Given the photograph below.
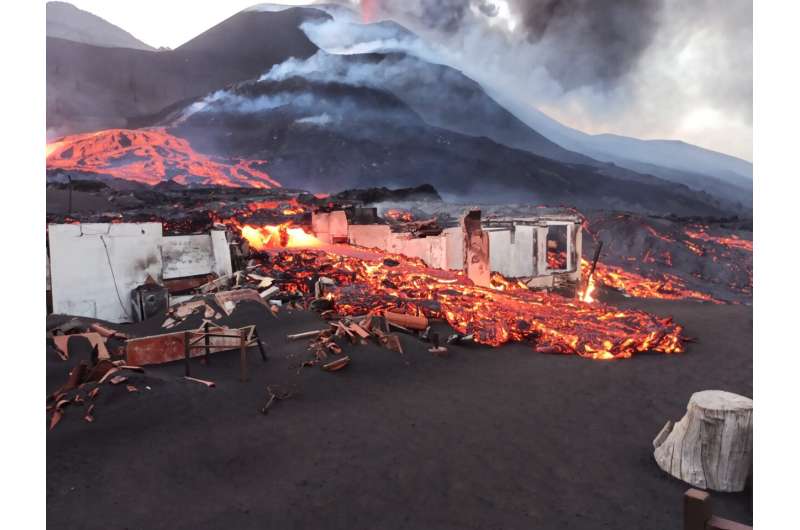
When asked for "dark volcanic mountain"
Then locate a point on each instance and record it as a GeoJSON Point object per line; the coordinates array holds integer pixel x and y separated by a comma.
{"type": "Point", "coordinates": [326, 136]}
{"type": "Point", "coordinates": [65, 21]}
{"type": "Point", "coordinates": [441, 95]}
{"type": "Point", "coordinates": [94, 87]}
{"type": "Point", "coordinates": [256, 87]}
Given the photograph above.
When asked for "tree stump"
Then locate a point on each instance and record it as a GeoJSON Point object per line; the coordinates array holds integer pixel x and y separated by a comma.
{"type": "Point", "coordinates": [711, 447]}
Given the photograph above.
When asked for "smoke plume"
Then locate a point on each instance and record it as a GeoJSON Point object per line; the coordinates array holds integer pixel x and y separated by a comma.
{"type": "Point", "coordinates": [678, 69]}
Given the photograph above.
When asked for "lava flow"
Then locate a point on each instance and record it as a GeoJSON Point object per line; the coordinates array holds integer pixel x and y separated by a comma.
{"type": "Point", "coordinates": [278, 236]}
{"type": "Point", "coordinates": [728, 242]}
{"type": "Point", "coordinates": [151, 156]}
{"type": "Point", "coordinates": [667, 286]}
{"type": "Point", "coordinates": [372, 281]}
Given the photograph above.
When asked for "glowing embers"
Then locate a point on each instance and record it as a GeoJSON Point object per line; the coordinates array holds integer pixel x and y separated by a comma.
{"type": "Point", "coordinates": [732, 242]}
{"type": "Point", "coordinates": [287, 207]}
{"type": "Point", "coordinates": [152, 156]}
{"type": "Point", "coordinates": [557, 247]}
{"type": "Point", "coordinates": [398, 215]}
{"type": "Point", "coordinates": [666, 286]}
{"type": "Point", "coordinates": [587, 295]}
{"type": "Point", "coordinates": [278, 236]}
{"type": "Point", "coordinates": [503, 312]}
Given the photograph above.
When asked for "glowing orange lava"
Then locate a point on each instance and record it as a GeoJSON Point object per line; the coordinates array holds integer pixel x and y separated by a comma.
{"type": "Point", "coordinates": [395, 214]}
{"type": "Point", "coordinates": [586, 295]}
{"type": "Point", "coordinates": [506, 312]}
{"type": "Point", "coordinates": [151, 156]}
{"type": "Point", "coordinates": [730, 242]}
{"type": "Point", "coordinates": [667, 286]}
{"type": "Point", "coordinates": [278, 236]}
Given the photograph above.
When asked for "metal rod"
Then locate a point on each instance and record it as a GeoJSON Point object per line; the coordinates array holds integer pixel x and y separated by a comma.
{"type": "Point", "coordinates": [260, 346]}
{"type": "Point", "coordinates": [243, 354]}
{"type": "Point", "coordinates": [207, 341]}
{"type": "Point", "coordinates": [186, 349]}
{"type": "Point", "coordinates": [596, 257]}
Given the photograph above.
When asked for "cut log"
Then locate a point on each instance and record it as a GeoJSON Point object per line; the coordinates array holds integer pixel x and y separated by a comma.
{"type": "Point", "coordinates": [711, 447]}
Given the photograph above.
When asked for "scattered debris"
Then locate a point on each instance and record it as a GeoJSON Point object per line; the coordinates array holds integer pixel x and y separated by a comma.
{"type": "Point", "coordinates": [209, 384]}
{"type": "Point", "coordinates": [458, 338]}
{"type": "Point", "coordinates": [305, 335]}
{"type": "Point", "coordinates": [110, 372]}
{"type": "Point", "coordinates": [107, 332]}
{"type": "Point", "coordinates": [89, 416]}
{"type": "Point", "coordinates": [338, 364]}
{"type": "Point", "coordinates": [228, 300]}
{"type": "Point", "coordinates": [55, 418]}
{"type": "Point", "coordinates": [96, 339]}
{"type": "Point", "coordinates": [274, 394]}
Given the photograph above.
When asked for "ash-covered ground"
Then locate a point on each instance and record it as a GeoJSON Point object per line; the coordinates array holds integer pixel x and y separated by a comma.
{"type": "Point", "coordinates": [483, 437]}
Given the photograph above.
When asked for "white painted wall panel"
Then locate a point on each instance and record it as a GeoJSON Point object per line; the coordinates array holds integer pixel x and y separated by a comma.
{"type": "Point", "coordinates": [522, 252]}
{"type": "Point", "coordinates": [81, 277]}
{"type": "Point", "coordinates": [187, 256]}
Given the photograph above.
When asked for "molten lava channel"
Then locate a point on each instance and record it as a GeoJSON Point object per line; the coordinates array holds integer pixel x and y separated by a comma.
{"type": "Point", "coordinates": [372, 281]}
{"type": "Point", "coordinates": [151, 156]}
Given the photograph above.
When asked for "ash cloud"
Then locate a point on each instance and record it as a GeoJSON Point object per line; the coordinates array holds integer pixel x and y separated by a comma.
{"type": "Point", "coordinates": [589, 41]}
{"type": "Point", "coordinates": [680, 69]}
{"type": "Point", "coordinates": [605, 38]}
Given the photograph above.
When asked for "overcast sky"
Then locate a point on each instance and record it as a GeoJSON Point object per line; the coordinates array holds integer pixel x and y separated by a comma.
{"type": "Point", "coordinates": [653, 69]}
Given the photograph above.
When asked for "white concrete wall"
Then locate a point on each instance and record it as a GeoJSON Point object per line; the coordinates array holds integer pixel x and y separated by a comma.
{"type": "Point", "coordinates": [187, 256]}
{"type": "Point", "coordinates": [511, 252]}
{"type": "Point", "coordinates": [432, 249]}
{"type": "Point", "coordinates": [82, 283]}
{"type": "Point", "coordinates": [454, 247]}
{"type": "Point", "coordinates": [328, 226]}
{"type": "Point", "coordinates": [499, 250]}
{"type": "Point", "coordinates": [196, 254]}
{"type": "Point", "coordinates": [522, 252]}
{"type": "Point", "coordinates": [370, 236]}
{"type": "Point", "coordinates": [222, 253]}
{"type": "Point", "coordinates": [80, 273]}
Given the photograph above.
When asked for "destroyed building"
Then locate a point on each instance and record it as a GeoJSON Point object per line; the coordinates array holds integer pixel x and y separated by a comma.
{"type": "Point", "coordinates": [125, 271]}
{"type": "Point", "coordinates": [103, 270]}
{"type": "Point", "coordinates": [544, 251]}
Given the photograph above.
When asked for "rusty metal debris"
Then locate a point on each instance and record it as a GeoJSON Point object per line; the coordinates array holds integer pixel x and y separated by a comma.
{"type": "Point", "coordinates": [275, 394]}
{"type": "Point", "coordinates": [338, 364]}
{"type": "Point", "coordinates": [106, 331]}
